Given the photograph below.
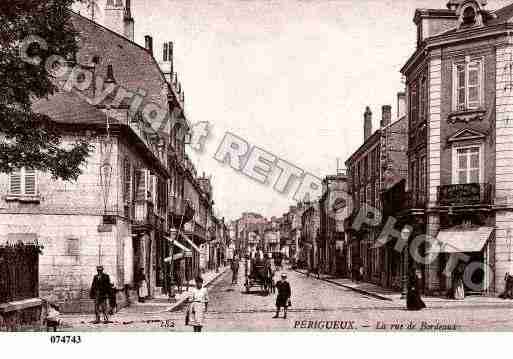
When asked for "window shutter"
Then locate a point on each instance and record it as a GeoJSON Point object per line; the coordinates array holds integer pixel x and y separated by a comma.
{"type": "Point", "coordinates": [474, 69]}
{"type": "Point", "coordinates": [30, 181]}
{"type": "Point", "coordinates": [127, 185]}
{"type": "Point", "coordinates": [140, 180]}
{"type": "Point", "coordinates": [461, 86]}
{"type": "Point", "coordinates": [15, 183]}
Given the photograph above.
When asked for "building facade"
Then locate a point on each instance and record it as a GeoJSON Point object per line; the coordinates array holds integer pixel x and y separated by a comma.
{"type": "Point", "coordinates": [377, 165]}
{"type": "Point", "coordinates": [459, 87]}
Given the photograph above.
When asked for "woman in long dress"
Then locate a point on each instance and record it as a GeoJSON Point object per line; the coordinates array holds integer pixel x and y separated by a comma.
{"type": "Point", "coordinates": [198, 305]}
{"type": "Point", "coordinates": [457, 284]}
{"type": "Point", "coordinates": [413, 299]}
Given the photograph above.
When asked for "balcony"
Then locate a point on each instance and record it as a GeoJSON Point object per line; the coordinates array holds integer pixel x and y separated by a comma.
{"type": "Point", "coordinates": [181, 211]}
{"type": "Point", "coordinates": [144, 218]}
{"type": "Point", "coordinates": [471, 194]}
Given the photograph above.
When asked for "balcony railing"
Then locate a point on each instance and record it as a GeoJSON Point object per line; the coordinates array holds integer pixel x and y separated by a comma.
{"type": "Point", "coordinates": [465, 194]}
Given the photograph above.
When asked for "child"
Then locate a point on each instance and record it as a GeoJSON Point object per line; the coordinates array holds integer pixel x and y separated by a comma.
{"type": "Point", "coordinates": [52, 316]}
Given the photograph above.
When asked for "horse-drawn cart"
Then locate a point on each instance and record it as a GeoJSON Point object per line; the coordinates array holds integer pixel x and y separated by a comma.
{"type": "Point", "coordinates": [258, 273]}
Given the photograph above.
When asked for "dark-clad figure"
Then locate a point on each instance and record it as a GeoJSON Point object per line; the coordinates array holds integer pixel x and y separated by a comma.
{"type": "Point", "coordinates": [413, 299]}
{"type": "Point", "coordinates": [235, 269]}
{"type": "Point", "coordinates": [100, 292]}
{"type": "Point", "coordinates": [283, 297]}
{"type": "Point", "coordinates": [508, 287]}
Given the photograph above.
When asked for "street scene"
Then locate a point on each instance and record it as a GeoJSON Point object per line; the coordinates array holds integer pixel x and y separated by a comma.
{"type": "Point", "coordinates": [335, 167]}
{"type": "Point", "coordinates": [319, 306]}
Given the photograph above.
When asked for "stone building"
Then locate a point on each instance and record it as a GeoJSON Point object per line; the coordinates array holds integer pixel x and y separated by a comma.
{"type": "Point", "coordinates": [123, 210]}
{"type": "Point", "coordinates": [334, 199]}
{"type": "Point", "coordinates": [459, 84]}
{"type": "Point", "coordinates": [377, 165]}
{"type": "Point", "coordinates": [309, 240]}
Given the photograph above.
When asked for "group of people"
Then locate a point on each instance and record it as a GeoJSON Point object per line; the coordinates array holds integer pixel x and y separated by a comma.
{"type": "Point", "coordinates": [103, 293]}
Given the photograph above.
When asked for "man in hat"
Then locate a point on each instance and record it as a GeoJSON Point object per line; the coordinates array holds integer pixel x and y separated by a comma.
{"type": "Point", "coordinates": [100, 291]}
{"type": "Point", "coordinates": [283, 297]}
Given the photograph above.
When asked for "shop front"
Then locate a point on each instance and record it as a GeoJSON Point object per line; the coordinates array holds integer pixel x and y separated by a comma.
{"type": "Point", "coordinates": [465, 252]}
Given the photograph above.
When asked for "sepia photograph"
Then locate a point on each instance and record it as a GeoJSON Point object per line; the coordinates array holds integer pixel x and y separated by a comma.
{"type": "Point", "coordinates": [251, 166]}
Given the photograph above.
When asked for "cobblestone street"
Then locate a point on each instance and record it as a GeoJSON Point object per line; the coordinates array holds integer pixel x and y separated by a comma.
{"type": "Point", "coordinates": [315, 305]}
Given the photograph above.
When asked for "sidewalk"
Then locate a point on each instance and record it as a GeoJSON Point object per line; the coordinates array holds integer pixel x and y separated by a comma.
{"type": "Point", "coordinates": [151, 311]}
{"type": "Point", "coordinates": [375, 291]}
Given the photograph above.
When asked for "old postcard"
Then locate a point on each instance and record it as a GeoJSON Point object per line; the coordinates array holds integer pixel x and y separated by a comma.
{"type": "Point", "coordinates": [256, 166]}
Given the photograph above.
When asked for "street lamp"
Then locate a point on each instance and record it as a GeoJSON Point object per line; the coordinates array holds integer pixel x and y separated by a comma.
{"type": "Point", "coordinates": [405, 234]}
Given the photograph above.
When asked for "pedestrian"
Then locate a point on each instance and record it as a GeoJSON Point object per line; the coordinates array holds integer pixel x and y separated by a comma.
{"type": "Point", "coordinates": [52, 317]}
{"type": "Point", "coordinates": [198, 306]}
{"type": "Point", "coordinates": [112, 300]}
{"type": "Point", "coordinates": [235, 269]}
{"type": "Point", "coordinates": [413, 298]}
{"type": "Point", "coordinates": [142, 286]}
{"type": "Point", "coordinates": [179, 274]}
{"type": "Point", "coordinates": [283, 297]}
{"type": "Point", "coordinates": [508, 287]}
{"type": "Point", "coordinates": [458, 289]}
{"type": "Point", "coordinates": [100, 292]}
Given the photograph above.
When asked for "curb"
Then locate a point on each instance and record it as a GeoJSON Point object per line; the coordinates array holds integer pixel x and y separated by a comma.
{"type": "Point", "coordinates": [181, 301]}
{"type": "Point", "coordinates": [361, 291]}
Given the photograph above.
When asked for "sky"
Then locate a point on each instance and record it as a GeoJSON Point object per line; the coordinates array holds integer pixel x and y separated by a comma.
{"type": "Point", "coordinates": [292, 77]}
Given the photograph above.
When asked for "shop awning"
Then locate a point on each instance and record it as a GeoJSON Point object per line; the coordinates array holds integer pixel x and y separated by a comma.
{"type": "Point", "coordinates": [195, 247]}
{"type": "Point", "coordinates": [458, 240]}
{"type": "Point", "coordinates": [179, 245]}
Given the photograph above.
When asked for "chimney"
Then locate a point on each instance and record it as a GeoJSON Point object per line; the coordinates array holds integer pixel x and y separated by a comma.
{"type": "Point", "coordinates": [167, 61]}
{"type": "Point", "coordinates": [401, 105]}
{"type": "Point", "coordinates": [114, 16]}
{"type": "Point", "coordinates": [386, 117]}
{"type": "Point", "coordinates": [148, 43]}
{"type": "Point", "coordinates": [110, 75]}
{"type": "Point", "coordinates": [128, 21]}
{"type": "Point", "coordinates": [367, 124]}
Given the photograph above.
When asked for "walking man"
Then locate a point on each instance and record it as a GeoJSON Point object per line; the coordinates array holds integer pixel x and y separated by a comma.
{"type": "Point", "coordinates": [235, 269]}
{"type": "Point", "coordinates": [283, 297]}
{"type": "Point", "coordinates": [100, 292]}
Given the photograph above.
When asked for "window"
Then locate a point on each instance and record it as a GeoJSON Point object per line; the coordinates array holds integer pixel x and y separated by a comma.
{"type": "Point", "coordinates": [423, 95]}
{"type": "Point", "coordinates": [127, 181]}
{"type": "Point", "coordinates": [414, 102]}
{"type": "Point", "coordinates": [467, 164]}
{"type": "Point", "coordinates": [422, 177]}
{"type": "Point", "coordinates": [369, 195]}
{"type": "Point", "coordinates": [467, 84]}
{"type": "Point", "coordinates": [23, 182]}
{"type": "Point", "coordinates": [72, 247]}
{"type": "Point", "coordinates": [469, 16]}
{"type": "Point", "coordinates": [377, 201]}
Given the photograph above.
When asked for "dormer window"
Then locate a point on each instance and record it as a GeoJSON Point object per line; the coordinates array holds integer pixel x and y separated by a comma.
{"type": "Point", "coordinates": [469, 16]}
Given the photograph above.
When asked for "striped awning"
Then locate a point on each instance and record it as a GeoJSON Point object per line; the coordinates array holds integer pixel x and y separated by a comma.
{"type": "Point", "coordinates": [461, 240]}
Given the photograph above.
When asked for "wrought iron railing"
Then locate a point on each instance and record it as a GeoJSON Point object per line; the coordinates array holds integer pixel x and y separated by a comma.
{"type": "Point", "coordinates": [465, 194]}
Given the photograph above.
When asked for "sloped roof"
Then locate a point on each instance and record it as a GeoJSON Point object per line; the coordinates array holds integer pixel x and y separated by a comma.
{"type": "Point", "coordinates": [134, 67]}
{"type": "Point", "coordinates": [504, 14]}
{"type": "Point", "coordinates": [68, 108]}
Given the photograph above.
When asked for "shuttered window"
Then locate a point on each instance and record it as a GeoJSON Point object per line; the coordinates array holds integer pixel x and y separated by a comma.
{"type": "Point", "coordinates": [23, 182]}
{"type": "Point", "coordinates": [140, 181]}
{"type": "Point", "coordinates": [127, 181]}
{"type": "Point", "coordinates": [468, 76]}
